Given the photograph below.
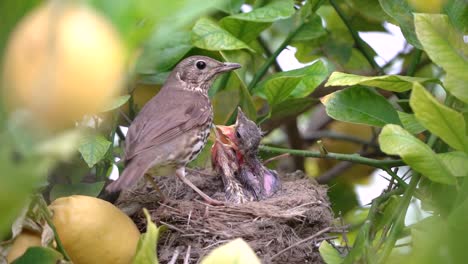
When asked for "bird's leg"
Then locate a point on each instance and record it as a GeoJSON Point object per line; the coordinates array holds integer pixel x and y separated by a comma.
{"type": "Point", "coordinates": [153, 183]}
{"type": "Point", "coordinates": [180, 172]}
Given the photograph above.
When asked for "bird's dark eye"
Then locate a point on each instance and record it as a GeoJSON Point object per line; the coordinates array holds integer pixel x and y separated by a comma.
{"type": "Point", "coordinates": [200, 65]}
{"type": "Point", "coordinates": [238, 134]}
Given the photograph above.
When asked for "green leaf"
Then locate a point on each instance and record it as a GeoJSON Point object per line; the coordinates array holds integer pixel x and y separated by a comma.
{"type": "Point", "coordinates": [457, 11]}
{"type": "Point", "coordinates": [161, 54]}
{"type": "Point", "coordinates": [410, 123]}
{"type": "Point", "coordinates": [232, 6]}
{"type": "Point", "coordinates": [272, 11]}
{"type": "Point", "coordinates": [441, 120]}
{"type": "Point", "coordinates": [394, 140]}
{"type": "Point", "coordinates": [244, 30]}
{"type": "Point", "coordinates": [93, 148]}
{"type": "Point", "coordinates": [206, 34]}
{"type": "Point", "coordinates": [116, 103]}
{"type": "Point", "coordinates": [447, 49]}
{"type": "Point", "coordinates": [395, 83]}
{"type": "Point", "coordinates": [146, 249]}
{"type": "Point", "coordinates": [312, 29]}
{"type": "Point", "coordinates": [291, 107]}
{"type": "Point", "coordinates": [402, 13]}
{"type": "Point", "coordinates": [88, 189]}
{"type": "Point", "coordinates": [43, 255]}
{"type": "Point", "coordinates": [360, 105]}
{"type": "Point", "coordinates": [292, 84]}
{"type": "Point", "coordinates": [224, 104]}
{"type": "Point", "coordinates": [456, 162]}
{"type": "Point", "coordinates": [329, 254]}
{"type": "Point", "coordinates": [236, 252]}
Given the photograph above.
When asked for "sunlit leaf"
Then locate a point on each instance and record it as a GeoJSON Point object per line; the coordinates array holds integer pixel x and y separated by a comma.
{"type": "Point", "coordinates": [401, 11]}
{"type": "Point", "coordinates": [206, 34]}
{"type": "Point", "coordinates": [456, 162]}
{"type": "Point", "coordinates": [395, 83]}
{"type": "Point", "coordinates": [93, 148]}
{"type": "Point", "coordinates": [441, 120]}
{"type": "Point", "coordinates": [236, 252]}
{"type": "Point", "coordinates": [146, 250]}
{"type": "Point", "coordinates": [410, 123]}
{"type": "Point", "coordinates": [360, 105]}
{"type": "Point", "coordinates": [41, 255]}
{"type": "Point", "coordinates": [446, 48]}
{"type": "Point", "coordinates": [394, 140]}
{"type": "Point", "coordinates": [329, 254]}
{"type": "Point", "coordinates": [272, 11]}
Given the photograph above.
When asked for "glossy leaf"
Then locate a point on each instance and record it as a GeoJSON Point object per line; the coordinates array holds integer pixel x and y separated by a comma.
{"type": "Point", "coordinates": [395, 83]}
{"type": "Point", "coordinates": [272, 11]}
{"type": "Point", "coordinates": [410, 123]}
{"type": "Point", "coordinates": [206, 34]}
{"type": "Point", "coordinates": [441, 120]}
{"type": "Point", "coordinates": [394, 140]}
{"type": "Point", "coordinates": [446, 48]}
{"type": "Point", "coordinates": [43, 255]}
{"type": "Point", "coordinates": [401, 11]}
{"type": "Point", "coordinates": [88, 189]}
{"type": "Point", "coordinates": [146, 249]}
{"type": "Point", "coordinates": [360, 105]}
{"type": "Point", "coordinates": [456, 162]}
{"type": "Point", "coordinates": [236, 252]}
{"type": "Point", "coordinates": [329, 254]}
{"type": "Point", "coordinates": [93, 148]}
{"type": "Point", "coordinates": [116, 103]}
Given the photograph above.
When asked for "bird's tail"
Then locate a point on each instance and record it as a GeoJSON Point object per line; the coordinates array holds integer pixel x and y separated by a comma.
{"type": "Point", "coordinates": [132, 173]}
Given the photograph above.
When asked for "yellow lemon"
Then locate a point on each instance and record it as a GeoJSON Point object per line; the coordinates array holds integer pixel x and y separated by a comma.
{"type": "Point", "coordinates": [94, 231]}
{"type": "Point", "coordinates": [62, 61]}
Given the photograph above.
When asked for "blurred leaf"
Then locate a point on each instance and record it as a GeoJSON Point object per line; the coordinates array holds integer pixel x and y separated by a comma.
{"type": "Point", "coordinates": [291, 107]}
{"type": "Point", "coordinates": [43, 255]}
{"type": "Point", "coordinates": [457, 11]}
{"type": "Point", "coordinates": [93, 148]}
{"type": "Point", "coordinates": [394, 140]}
{"type": "Point", "coordinates": [410, 123]}
{"type": "Point", "coordinates": [456, 162]}
{"type": "Point", "coordinates": [395, 83]}
{"type": "Point", "coordinates": [236, 252]}
{"type": "Point", "coordinates": [402, 13]}
{"type": "Point", "coordinates": [360, 105]}
{"type": "Point", "coordinates": [232, 6]}
{"type": "Point", "coordinates": [224, 105]}
{"type": "Point", "coordinates": [369, 9]}
{"type": "Point", "coordinates": [116, 103]}
{"type": "Point", "coordinates": [447, 49]}
{"type": "Point", "coordinates": [386, 213]}
{"type": "Point", "coordinates": [296, 83]}
{"type": "Point", "coordinates": [146, 250]}
{"type": "Point", "coordinates": [272, 11]}
{"type": "Point", "coordinates": [312, 29]}
{"type": "Point", "coordinates": [244, 30]}
{"type": "Point", "coordinates": [329, 254]}
{"type": "Point", "coordinates": [88, 189]}
{"type": "Point", "coordinates": [158, 78]}
{"type": "Point", "coordinates": [206, 34]}
{"type": "Point", "coordinates": [441, 120]}
{"type": "Point", "coordinates": [161, 54]}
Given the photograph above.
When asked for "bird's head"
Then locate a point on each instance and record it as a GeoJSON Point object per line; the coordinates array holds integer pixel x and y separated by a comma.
{"type": "Point", "coordinates": [245, 135]}
{"type": "Point", "coordinates": [199, 71]}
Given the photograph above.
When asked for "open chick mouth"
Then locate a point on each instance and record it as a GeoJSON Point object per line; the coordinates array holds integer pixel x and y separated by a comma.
{"type": "Point", "coordinates": [225, 135]}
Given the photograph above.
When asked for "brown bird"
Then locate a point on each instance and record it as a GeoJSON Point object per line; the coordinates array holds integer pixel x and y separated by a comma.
{"type": "Point", "coordinates": [172, 128]}
{"type": "Point", "coordinates": [257, 181]}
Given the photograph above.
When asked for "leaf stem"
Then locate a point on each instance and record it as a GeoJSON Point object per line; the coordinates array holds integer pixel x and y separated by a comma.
{"type": "Point", "coordinates": [382, 164]}
{"type": "Point", "coordinates": [361, 45]}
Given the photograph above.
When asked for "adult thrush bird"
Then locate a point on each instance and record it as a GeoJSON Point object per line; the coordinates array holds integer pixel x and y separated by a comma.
{"type": "Point", "coordinates": [243, 138]}
{"type": "Point", "coordinates": [172, 128]}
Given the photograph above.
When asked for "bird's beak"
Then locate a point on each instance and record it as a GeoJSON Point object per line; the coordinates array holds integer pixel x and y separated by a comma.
{"type": "Point", "coordinates": [225, 134]}
{"type": "Point", "coordinates": [228, 66]}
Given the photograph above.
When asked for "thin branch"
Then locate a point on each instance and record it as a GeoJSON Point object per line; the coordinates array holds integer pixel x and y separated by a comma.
{"type": "Point", "coordinates": [302, 241]}
{"type": "Point", "coordinates": [359, 42]}
{"type": "Point", "coordinates": [382, 164]}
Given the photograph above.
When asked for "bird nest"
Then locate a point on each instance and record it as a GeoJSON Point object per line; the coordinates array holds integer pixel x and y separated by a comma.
{"type": "Point", "coordinates": [285, 228]}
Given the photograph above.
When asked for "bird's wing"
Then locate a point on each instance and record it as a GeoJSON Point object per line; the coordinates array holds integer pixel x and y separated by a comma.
{"type": "Point", "coordinates": [162, 120]}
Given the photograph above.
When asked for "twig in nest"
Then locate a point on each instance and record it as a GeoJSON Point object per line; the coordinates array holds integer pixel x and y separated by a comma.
{"type": "Point", "coordinates": [302, 241]}
{"type": "Point", "coordinates": [187, 255]}
{"type": "Point", "coordinates": [284, 155]}
{"type": "Point", "coordinates": [174, 257]}
{"type": "Point", "coordinates": [172, 227]}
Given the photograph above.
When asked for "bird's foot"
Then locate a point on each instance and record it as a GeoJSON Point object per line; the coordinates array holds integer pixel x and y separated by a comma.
{"type": "Point", "coordinates": [180, 172]}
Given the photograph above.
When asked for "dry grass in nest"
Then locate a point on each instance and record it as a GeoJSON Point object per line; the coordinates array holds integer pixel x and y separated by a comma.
{"type": "Point", "coordinates": [285, 228]}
